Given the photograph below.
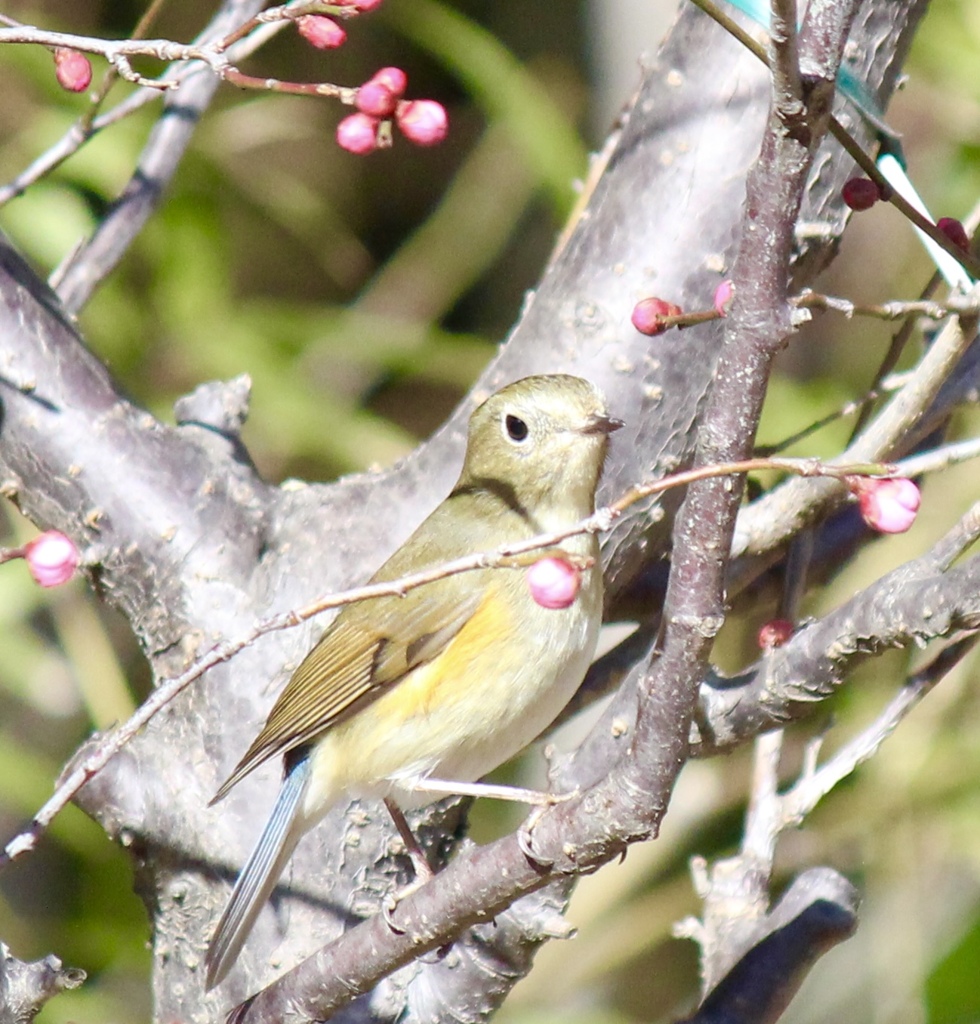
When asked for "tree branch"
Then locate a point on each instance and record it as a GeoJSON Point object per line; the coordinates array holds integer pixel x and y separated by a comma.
{"type": "Point", "coordinates": [25, 988]}
{"type": "Point", "coordinates": [920, 601]}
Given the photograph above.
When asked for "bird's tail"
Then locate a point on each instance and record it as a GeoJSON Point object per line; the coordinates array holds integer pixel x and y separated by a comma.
{"type": "Point", "coordinates": [258, 877]}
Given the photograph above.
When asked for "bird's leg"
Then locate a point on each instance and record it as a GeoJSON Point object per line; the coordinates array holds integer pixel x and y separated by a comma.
{"type": "Point", "coordinates": [516, 794]}
{"type": "Point", "coordinates": [538, 800]}
{"type": "Point", "coordinates": [423, 872]}
{"type": "Point", "coordinates": [421, 867]}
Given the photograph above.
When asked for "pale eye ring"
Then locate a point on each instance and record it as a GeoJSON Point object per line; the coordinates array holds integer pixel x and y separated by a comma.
{"type": "Point", "coordinates": [517, 429]}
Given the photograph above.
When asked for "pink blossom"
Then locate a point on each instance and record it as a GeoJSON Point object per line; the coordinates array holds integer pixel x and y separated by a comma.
{"type": "Point", "coordinates": [723, 297]}
{"type": "Point", "coordinates": [52, 558]}
{"type": "Point", "coordinates": [648, 315]}
{"type": "Point", "coordinates": [423, 122]}
{"type": "Point", "coordinates": [553, 582]}
{"type": "Point", "coordinates": [72, 69]}
{"type": "Point", "coordinates": [376, 99]}
{"type": "Point", "coordinates": [393, 78]}
{"type": "Point", "coordinates": [889, 506]}
{"type": "Point", "coordinates": [358, 133]}
{"type": "Point", "coordinates": [323, 33]}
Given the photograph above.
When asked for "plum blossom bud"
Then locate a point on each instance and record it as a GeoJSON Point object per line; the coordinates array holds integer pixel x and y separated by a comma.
{"type": "Point", "coordinates": [860, 193]}
{"type": "Point", "coordinates": [423, 122]}
{"type": "Point", "coordinates": [323, 33]}
{"type": "Point", "coordinates": [358, 133]}
{"type": "Point", "coordinates": [392, 78]}
{"type": "Point", "coordinates": [72, 69]}
{"type": "Point", "coordinates": [553, 582]}
{"type": "Point", "coordinates": [648, 315]}
{"type": "Point", "coordinates": [52, 558]}
{"type": "Point", "coordinates": [775, 633]}
{"type": "Point", "coordinates": [889, 506]}
{"type": "Point", "coordinates": [376, 99]}
{"type": "Point", "coordinates": [954, 231]}
{"type": "Point", "coordinates": [361, 5]}
{"type": "Point", "coordinates": [723, 297]}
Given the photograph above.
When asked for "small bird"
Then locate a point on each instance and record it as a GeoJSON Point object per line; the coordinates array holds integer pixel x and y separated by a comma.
{"type": "Point", "coordinates": [404, 697]}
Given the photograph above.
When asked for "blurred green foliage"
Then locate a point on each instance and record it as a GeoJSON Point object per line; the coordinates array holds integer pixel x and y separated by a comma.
{"type": "Point", "coordinates": [363, 296]}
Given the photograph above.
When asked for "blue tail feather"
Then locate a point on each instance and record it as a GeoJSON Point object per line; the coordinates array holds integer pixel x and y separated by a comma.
{"type": "Point", "coordinates": [258, 877]}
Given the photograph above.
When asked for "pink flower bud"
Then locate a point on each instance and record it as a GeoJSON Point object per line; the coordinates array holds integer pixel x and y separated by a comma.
{"type": "Point", "coordinates": [393, 78]}
{"type": "Point", "coordinates": [775, 633]}
{"type": "Point", "coordinates": [72, 69]}
{"type": "Point", "coordinates": [363, 5]}
{"type": "Point", "coordinates": [323, 33]}
{"type": "Point", "coordinates": [358, 134]}
{"type": "Point", "coordinates": [648, 315]}
{"type": "Point", "coordinates": [423, 122]}
{"type": "Point", "coordinates": [723, 297]}
{"type": "Point", "coordinates": [376, 99]}
{"type": "Point", "coordinates": [954, 231]}
{"type": "Point", "coordinates": [52, 558]}
{"type": "Point", "coordinates": [860, 193]}
{"type": "Point", "coordinates": [553, 582]}
{"type": "Point", "coordinates": [889, 506]}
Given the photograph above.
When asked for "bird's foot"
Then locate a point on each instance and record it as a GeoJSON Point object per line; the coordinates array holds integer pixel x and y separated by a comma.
{"type": "Point", "coordinates": [524, 839]}
{"type": "Point", "coordinates": [421, 867]}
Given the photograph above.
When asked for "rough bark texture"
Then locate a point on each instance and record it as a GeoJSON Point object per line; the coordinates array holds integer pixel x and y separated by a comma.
{"type": "Point", "coordinates": [193, 548]}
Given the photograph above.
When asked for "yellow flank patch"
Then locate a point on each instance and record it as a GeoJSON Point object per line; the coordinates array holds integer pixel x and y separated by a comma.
{"type": "Point", "coordinates": [476, 649]}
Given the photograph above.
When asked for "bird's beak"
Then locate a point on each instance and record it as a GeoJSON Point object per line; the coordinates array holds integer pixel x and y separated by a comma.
{"type": "Point", "coordinates": [602, 425]}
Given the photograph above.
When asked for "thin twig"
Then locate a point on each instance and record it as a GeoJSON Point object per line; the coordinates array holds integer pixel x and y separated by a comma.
{"type": "Point", "coordinates": [815, 783]}
{"type": "Point", "coordinates": [776, 516]}
{"type": "Point", "coordinates": [854, 150]}
{"type": "Point", "coordinates": [890, 359]}
{"type": "Point", "coordinates": [233, 76]}
{"type": "Point", "coordinates": [894, 310]}
{"type": "Point", "coordinates": [956, 540]}
{"type": "Point", "coordinates": [236, 47]}
{"type": "Point", "coordinates": [939, 458]}
{"type": "Point", "coordinates": [759, 835]}
{"type": "Point", "coordinates": [119, 51]}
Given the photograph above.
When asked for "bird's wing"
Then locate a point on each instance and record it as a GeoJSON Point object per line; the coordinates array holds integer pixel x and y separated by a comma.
{"type": "Point", "coordinates": [364, 652]}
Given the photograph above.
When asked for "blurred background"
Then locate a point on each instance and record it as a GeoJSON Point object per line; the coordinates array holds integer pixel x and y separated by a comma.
{"type": "Point", "coordinates": [363, 296]}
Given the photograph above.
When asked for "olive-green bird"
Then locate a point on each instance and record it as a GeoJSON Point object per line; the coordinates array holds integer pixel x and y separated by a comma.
{"type": "Point", "coordinates": [405, 697]}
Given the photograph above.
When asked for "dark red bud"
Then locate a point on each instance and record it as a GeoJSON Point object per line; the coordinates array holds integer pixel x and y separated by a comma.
{"type": "Point", "coordinates": [954, 231]}
{"type": "Point", "coordinates": [860, 193]}
{"type": "Point", "coordinates": [775, 633]}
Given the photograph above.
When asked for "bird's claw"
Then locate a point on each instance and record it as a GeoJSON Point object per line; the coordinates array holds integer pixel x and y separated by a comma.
{"type": "Point", "coordinates": [524, 842]}
{"type": "Point", "coordinates": [524, 832]}
{"type": "Point", "coordinates": [390, 902]}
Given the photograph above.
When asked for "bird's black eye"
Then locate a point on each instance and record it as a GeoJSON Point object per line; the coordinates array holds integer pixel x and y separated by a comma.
{"type": "Point", "coordinates": [517, 429]}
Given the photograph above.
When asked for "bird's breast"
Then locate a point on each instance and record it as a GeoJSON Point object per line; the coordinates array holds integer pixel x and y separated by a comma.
{"type": "Point", "coordinates": [494, 688]}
